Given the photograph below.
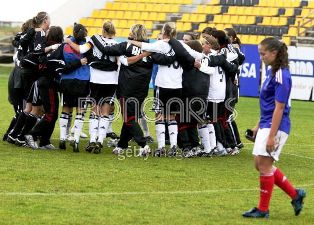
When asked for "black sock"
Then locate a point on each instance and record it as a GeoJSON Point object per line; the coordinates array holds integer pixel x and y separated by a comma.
{"type": "Point", "coordinates": [30, 122]}
{"type": "Point", "coordinates": [19, 124]}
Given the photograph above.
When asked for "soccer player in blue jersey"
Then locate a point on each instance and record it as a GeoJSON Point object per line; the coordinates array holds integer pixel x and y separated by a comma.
{"type": "Point", "coordinates": [273, 128]}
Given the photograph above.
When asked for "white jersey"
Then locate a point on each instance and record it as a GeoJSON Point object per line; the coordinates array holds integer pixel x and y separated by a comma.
{"type": "Point", "coordinates": [98, 76]}
{"type": "Point", "coordinates": [217, 84]}
{"type": "Point", "coordinates": [167, 76]}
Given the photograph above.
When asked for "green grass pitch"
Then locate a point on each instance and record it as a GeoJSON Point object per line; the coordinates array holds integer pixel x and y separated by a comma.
{"type": "Point", "coordinates": [60, 187]}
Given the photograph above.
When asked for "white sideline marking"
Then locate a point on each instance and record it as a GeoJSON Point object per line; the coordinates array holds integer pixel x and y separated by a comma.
{"type": "Point", "coordinates": [299, 156]}
{"type": "Point", "coordinates": [302, 145]}
{"type": "Point", "coordinates": [133, 193]}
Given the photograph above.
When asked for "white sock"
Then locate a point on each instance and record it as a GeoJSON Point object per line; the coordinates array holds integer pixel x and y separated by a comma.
{"type": "Point", "coordinates": [143, 123]}
{"type": "Point", "coordinates": [78, 125]}
{"type": "Point", "coordinates": [204, 135]}
{"type": "Point", "coordinates": [93, 127]}
{"type": "Point", "coordinates": [104, 123]}
{"type": "Point", "coordinates": [63, 123]}
{"type": "Point", "coordinates": [160, 133]}
{"type": "Point", "coordinates": [111, 117]}
{"type": "Point", "coordinates": [69, 124]}
{"type": "Point", "coordinates": [173, 132]}
{"type": "Point", "coordinates": [220, 146]}
{"type": "Point", "coordinates": [212, 136]}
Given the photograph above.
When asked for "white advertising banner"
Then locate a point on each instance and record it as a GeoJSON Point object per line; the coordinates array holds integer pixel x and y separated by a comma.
{"type": "Point", "coordinates": [301, 62]}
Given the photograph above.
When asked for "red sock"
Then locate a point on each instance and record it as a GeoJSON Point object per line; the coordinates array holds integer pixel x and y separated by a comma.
{"type": "Point", "coordinates": [266, 185]}
{"type": "Point", "coordinates": [282, 182]}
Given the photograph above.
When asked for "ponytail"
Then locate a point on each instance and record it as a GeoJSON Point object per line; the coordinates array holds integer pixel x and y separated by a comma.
{"type": "Point", "coordinates": [281, 61]}
{"type": "Point", "coordinates": [39, 19]}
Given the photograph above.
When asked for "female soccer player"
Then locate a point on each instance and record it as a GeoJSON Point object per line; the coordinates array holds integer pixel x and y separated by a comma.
{"type": "Point", "coordinates": [273, 128]}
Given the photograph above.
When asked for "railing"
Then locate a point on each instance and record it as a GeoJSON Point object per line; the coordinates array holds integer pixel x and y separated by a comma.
{"type": "Point", "coordinates": [301, 25]}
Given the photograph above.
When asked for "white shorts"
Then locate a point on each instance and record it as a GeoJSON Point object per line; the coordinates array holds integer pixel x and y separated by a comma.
{"type": "Point", "coordinates": [261, 141]}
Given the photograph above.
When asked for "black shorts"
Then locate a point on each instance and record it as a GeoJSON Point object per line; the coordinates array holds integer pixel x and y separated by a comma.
{"type": "Point", "coordinates": [74, 92]}
{"type": "Point", "coordinates": [214, 110]}
{"type": "Point", "coordinates": [168, 100]}
{"type": "Point", "coordinates": [28, 77]}
{"type": "Point", "coordinates": [103, 93]}
{"type": "Point", "coordinates": [34, 95]}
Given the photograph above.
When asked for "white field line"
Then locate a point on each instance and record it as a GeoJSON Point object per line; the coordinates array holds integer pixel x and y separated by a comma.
{"type": "Point", "coordinates": [79, 194]}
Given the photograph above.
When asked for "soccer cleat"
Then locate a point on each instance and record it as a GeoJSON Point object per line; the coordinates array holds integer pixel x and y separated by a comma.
{"type": "Point", "coordinates": [149, 139]}
{"type": "Point", "coordinates": [172, 152]}
{"type": "Point", "coordinates": [112, 135]}
{"type": "Point", "coordinates": [144, 151]}
{"type": "Point", "coordinates": [97, 148]}
{"type": "Point", "coordinates": [256, 213]}
{"type": "Point", "coordinates": [11, 139]}
{"type": "Point", "coordinates": [240, 145]}
{"type": "Point", "coordinates": [70, 138]}
{"type": "Point", "coordinates": [5, 137]}
{"type": "Point", "coordinates": [160, 152]}
{"type": "Point", "coordinates": [117, 151]}
{"type": "Point", "coordinates": [235, 151]}
{"type": "Point", "coordinates": [90, 147]}
{"type": "Point", "coordinates": [29, 139]}
{"type": "Point", "coordinates": [297, 203]}
{"type": "Point", "coordinates": [76, 147]}
{"type": "Point", "coordinates": [48, 147]}
{"type": "Point", "coordinates": [220, 152]}
{"type": "Point", "coordinates": [20, 140]}
{"type": "Point", "coordinates": [112, 143]}
{"type": "Point", "coordinates": [62, 144]}
{"type": "Point", "coordinates": [204, 154]}
{"type": "Point", "coordinates": [197, 150]}
{"type": "Point", "coordinates": [188, 153]}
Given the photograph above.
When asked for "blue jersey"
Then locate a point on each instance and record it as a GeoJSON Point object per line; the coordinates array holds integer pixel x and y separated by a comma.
{"type": "Point", "coordinates": [276, 88]}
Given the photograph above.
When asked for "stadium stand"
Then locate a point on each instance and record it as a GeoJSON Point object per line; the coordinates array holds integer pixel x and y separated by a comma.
{"type": "Point", "coordinates": [252, 19]}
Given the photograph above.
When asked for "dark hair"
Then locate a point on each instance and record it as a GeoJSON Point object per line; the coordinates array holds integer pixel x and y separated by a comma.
{"type": "Point", "coordinates": [195, 45]}
{"type": "Point", "coordinates": [221, 37]}
{"type": "Point", "coordinates": [55, 35]}
{"type": "Point", "coordinates": [273, 44]}
{"type": "Point", "coordinates": [232, 33]}
{"type": "Point", "coordinates": [191, 35]}
{"type": "Point", "coordinates": [27, 25]}
{"type": "Point", "coordinates": [79, 32]}
{"type": "Point", "coordinates": [39, 19]}
{"type": "Point", "coordinates": [209, 30]}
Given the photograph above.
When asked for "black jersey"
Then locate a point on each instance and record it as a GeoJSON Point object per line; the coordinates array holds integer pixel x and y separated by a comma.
{"type": "Point", "coordinates": [133, 79]}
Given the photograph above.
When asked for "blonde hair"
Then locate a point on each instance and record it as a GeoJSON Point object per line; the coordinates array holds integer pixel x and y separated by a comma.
{"type": "Point", "coordinates": [169, 29]}
{"type": "Point", "coordinates": [212, 41]}
{"type": "Point", "coordinates": [139, 32]}
{"type": "Point", "coordinates": [109, 28]}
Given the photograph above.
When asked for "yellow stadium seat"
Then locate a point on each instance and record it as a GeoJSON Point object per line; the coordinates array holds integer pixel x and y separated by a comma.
{"type": "Point", "coordinates": [232, 10]}
{"type": "Point", "coordinates": [201, 9]}
{"type": "Point", "coordinates": [123, 24]}
{"type": "Point", "coordinates": [245, 39]}
{"type": "Point", "coordinates": [96, 13]}
{"type": "Point", "coordinates": [225, 19]}
{"type": "Point", "coordinates": [124, 6]}
{"type": "Point", "coordinates": [217, 18]}
{"type": "Point", "coordinates": [157, 8]}
{"type": "Point", "coordinates": [92, 31]}
{"type": "Point", "coordinates": [202, 26]}
{"type": "Point", "coordinates": [274, 21]}
{"type": "Point", "coordinates": [213, 9]}
{"type": "Point", "coordinates": [186, 17]}
{"type": "Point", "coordinates": [242, 19]}
{"type": "Point", "coordinates": [214, 2]}
{"type": "Point", "coordinates": [179, 26]}
{"type": "Point", "coordinates": [132, 7]}
{"type": "Point", "coordinates": [144, 16]}
{"type": "Point", "coordinates": [125, 32]}
{"type": "Point", "coordinates": [119, 15]}
{"type": "Point", "coordinates": [135, 15]}
{"type": "Point", "coordinates": [153, 16]}
{"type": "Point", "coordinates": [128, 14]}
{"type": "Point", "coordinates": [282, 21]}
{"type": "Point", "coordinates": [272, 12]}
{"type": "Point", "coordinates": [103, 14]}
{"type": "Point", "coordinates": [266, 21]}
{"type": "Point", "coordinates": [149, 24]}
{"type": "Point", "coordinates": [253, 39]}
{"type": "Point", "coordinates": [131, 23]}
{"type": "Point", "coordinates": [98, 23]}
{"type": "Point", "coordinates": [250, 20]}
{"type": "Point", "coordinates": [289, 12]}
{"type": "Point", "coordinates": [155, 34]}
{"type": "Point", "coordinates": [293, 31]}
{"type": "Point", "coordinates": [109, 5]}
{"type": "Point", "coordinates": [201, 18]}
{"type": "Point", "coordinates": [310, 4]}
{"type": "Point", "coordinates": [90, 22]}
{"type": "Point", "coordinates": [111, 14]}
{"type": "Point", "coordinates": [161, 16]}
{"type": "Point", "coordinates": [69, 30]}
{"type": "Point", "coordinates": [286, 40]}
{"type": "Point", "coordinates": [234, 19]}
{"type": "Point", "coordinates": [83, 21]}
{"type": "Point", "coordinates": [187, 26]}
